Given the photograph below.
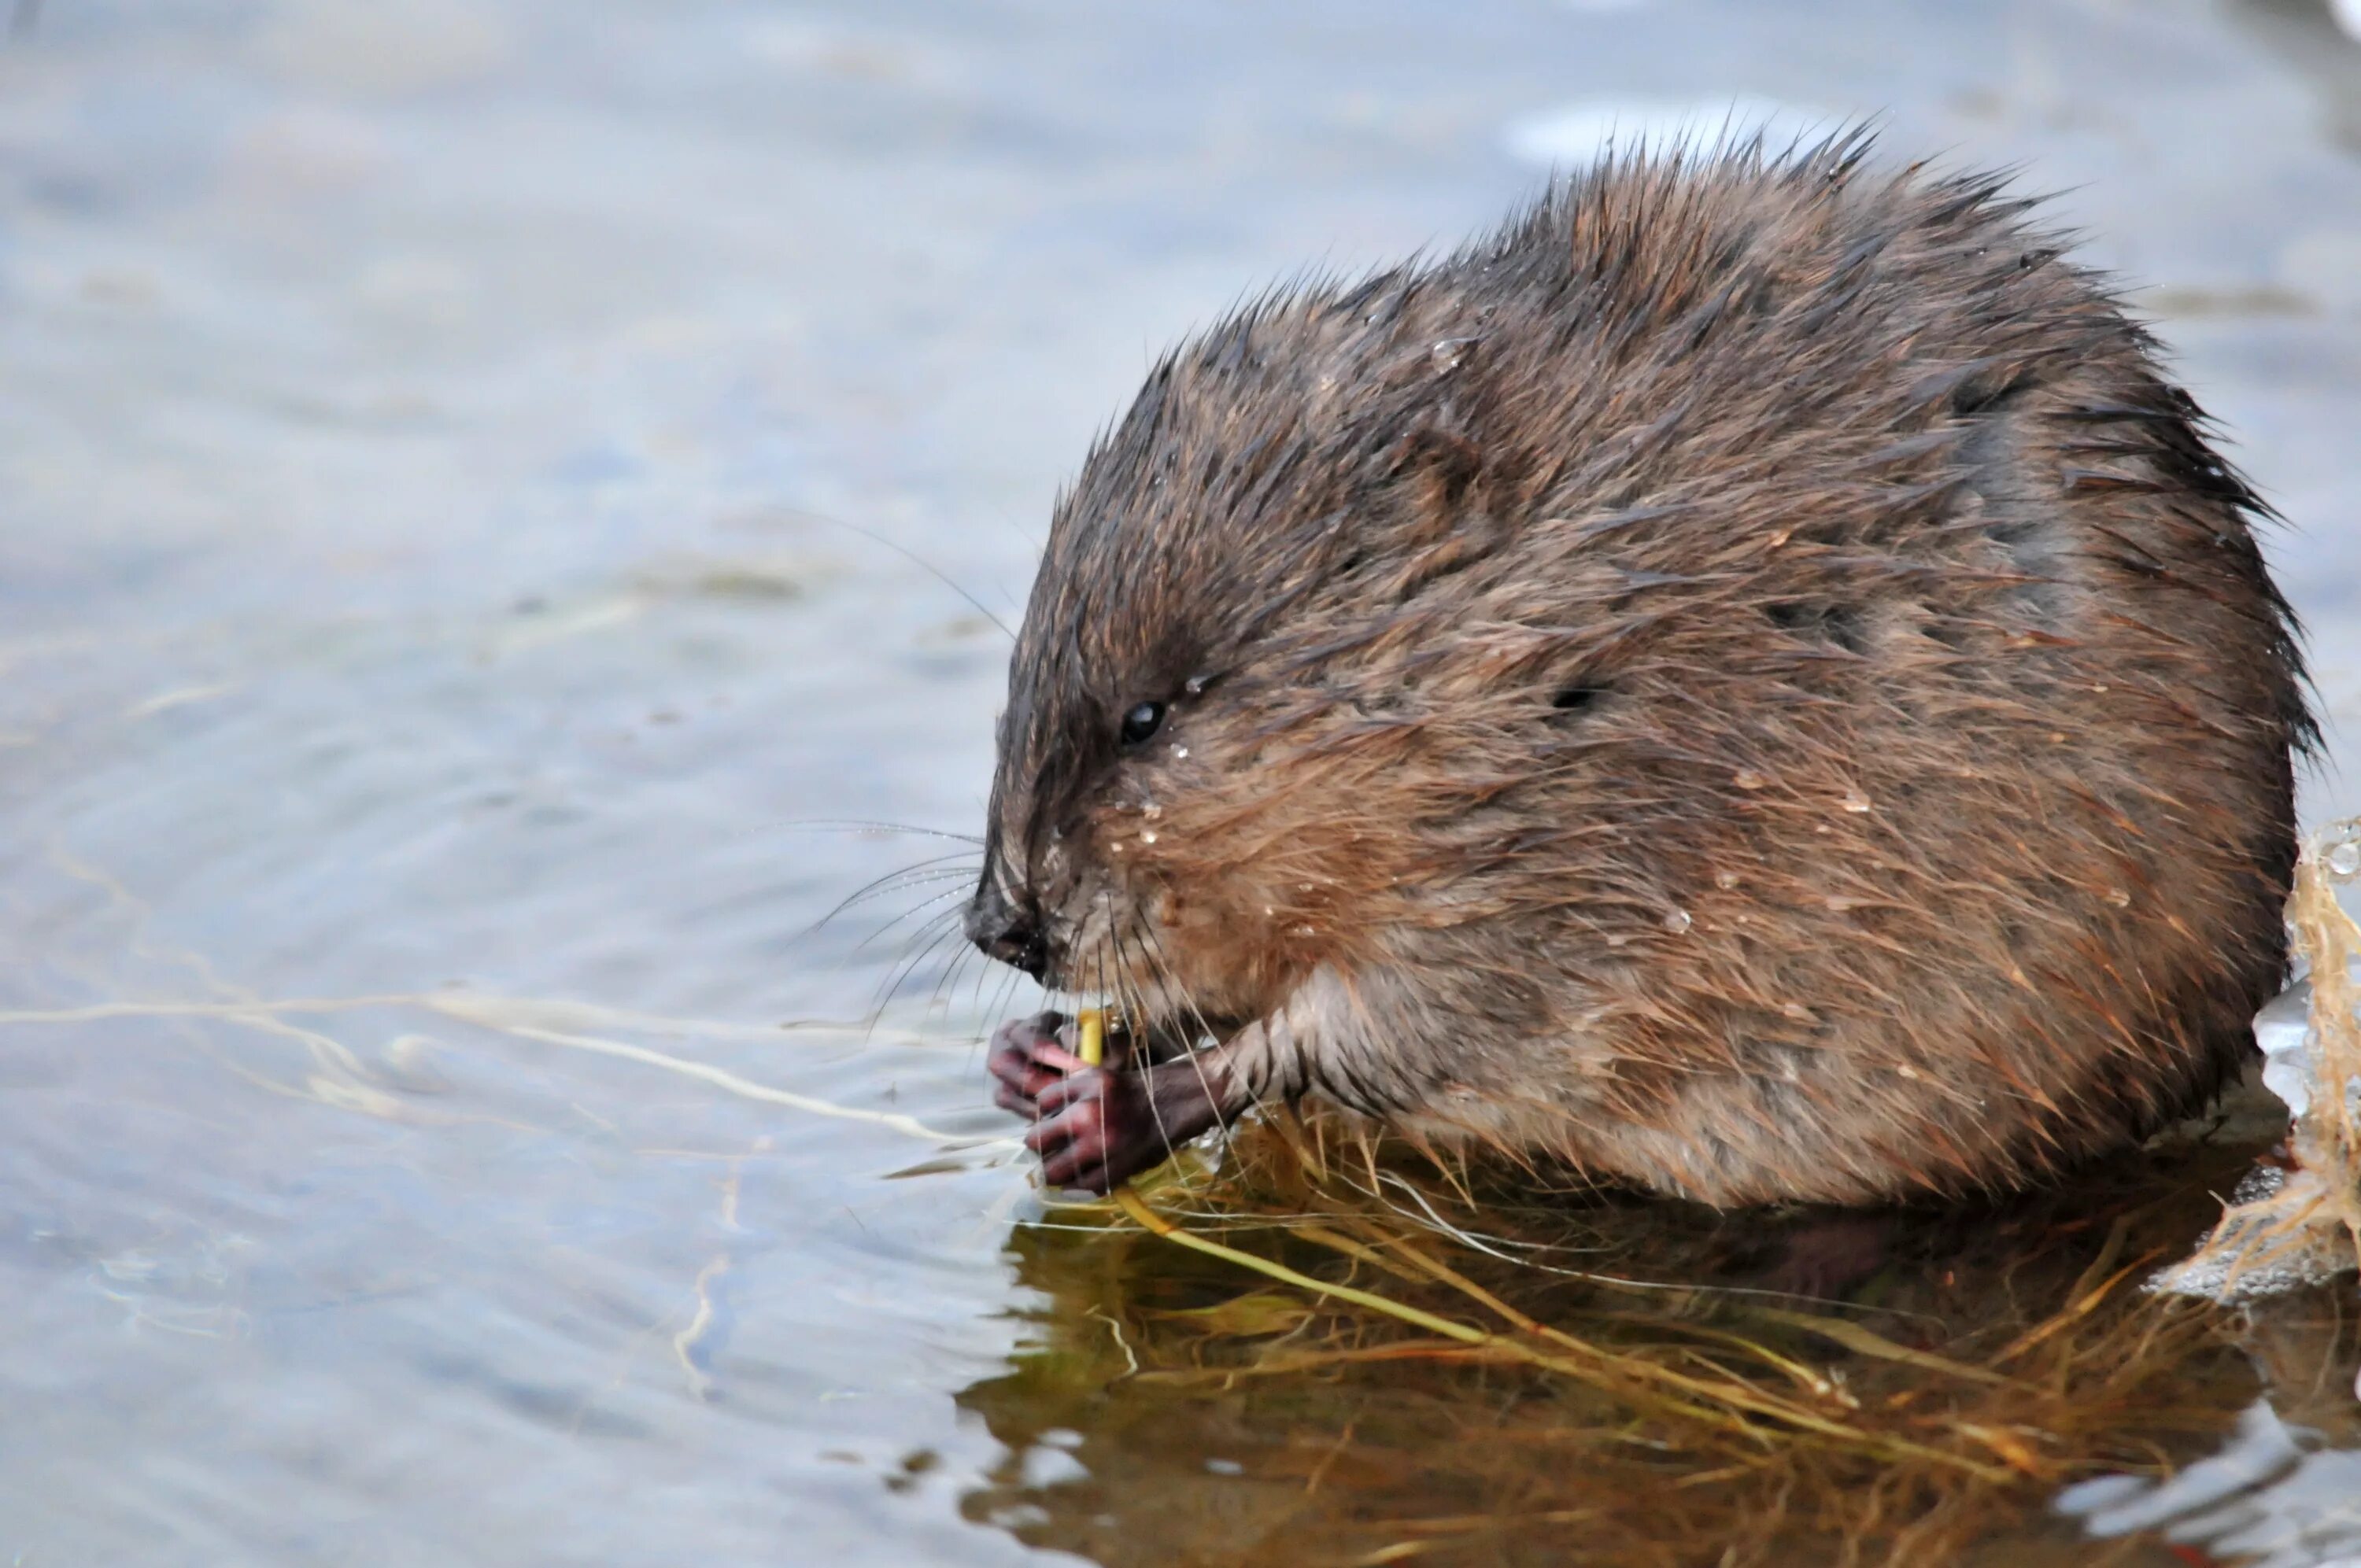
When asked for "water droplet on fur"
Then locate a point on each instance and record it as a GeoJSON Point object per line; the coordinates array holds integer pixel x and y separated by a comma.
{"type": "Point", "coordinates": [2119, 898]}
{"type": "Point", "coordinates": [1856, 802]}
{"type": "Point", "coordinates": [1303, 887]}
{"type": "Point", "coordinates": [1195, 684]}
{"type": "Point", "coordinates": [1180, 751]}
{"type": "Point", "coordinates": [1151, 811]}
{"type": "Point", "coordinates": [1149, 837]}
{"type": "Point", "coordinates": [1677, 921]}
{"type": "Point", "coordinates": [1448, 353]}
{"type": "Point", "coordinates": [1747, 778]}
{"type": "Point", "coordinates": [2345, 858]}
{"type": "Point", "coordinates": [1306, 931]}
{"type": "Point", "coordinates": [1725, 879]}
{"type": "Point", "coordinates": [1906, 1071]}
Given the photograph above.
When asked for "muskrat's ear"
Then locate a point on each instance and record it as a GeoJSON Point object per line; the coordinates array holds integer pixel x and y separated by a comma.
{"type": "Point", "coordinates": [1438, 470]}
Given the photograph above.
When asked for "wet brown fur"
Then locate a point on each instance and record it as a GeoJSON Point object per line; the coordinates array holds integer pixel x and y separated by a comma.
{"type": "Point", "coordinates": [1746, 681]}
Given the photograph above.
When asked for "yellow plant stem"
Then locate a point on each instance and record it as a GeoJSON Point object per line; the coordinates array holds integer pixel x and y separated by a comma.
{"type": "Point", "coordinates": [1134, 1205]}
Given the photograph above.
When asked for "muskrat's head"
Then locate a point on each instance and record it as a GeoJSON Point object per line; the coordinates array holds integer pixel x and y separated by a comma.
{"type": "Point", "coordinates": [1242, 658]}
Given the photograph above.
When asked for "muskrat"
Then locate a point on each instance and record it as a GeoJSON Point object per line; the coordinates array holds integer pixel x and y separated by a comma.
{"type": "Point", "coordinates": [1746, 681]}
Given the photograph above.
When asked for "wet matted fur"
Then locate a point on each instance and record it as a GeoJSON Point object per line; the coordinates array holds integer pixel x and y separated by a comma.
{"type": "Point", "coordinates": [1747, 680]}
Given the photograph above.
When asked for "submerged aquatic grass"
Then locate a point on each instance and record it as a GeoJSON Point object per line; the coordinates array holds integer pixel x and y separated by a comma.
{"type": "Point", "coordinates": [1543, 1360]}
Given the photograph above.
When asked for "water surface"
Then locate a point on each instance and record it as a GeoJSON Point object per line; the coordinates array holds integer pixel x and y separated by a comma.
{"type": "Point", "coordinates": [434, 1129]}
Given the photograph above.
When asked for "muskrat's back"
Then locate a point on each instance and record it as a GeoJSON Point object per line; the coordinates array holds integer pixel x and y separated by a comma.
{"type": "Point", "coordinates": [1747, 681]}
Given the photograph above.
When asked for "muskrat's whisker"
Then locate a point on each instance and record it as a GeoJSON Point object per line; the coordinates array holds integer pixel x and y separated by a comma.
{"type": "Point", "coordinates": [901, 975]}
{"type": "Point", "coordinates": [947, 983]}
{"type": "Point", "coordinates": [1006, 994]}
{"type": "Point", "coordinates": [946, 975]}
{"type": "Point", "coordinates": [1151, 945]}
{"type": "Point", "coordinates": [918, 909]}
{"type": "Point", "coordinates": [1138, 1009]}
{"type": "Point", "coordinates": [858, 825]}
{"type": "Point", "coordinates": [922, 563]}
{"type": "Point", "coordinates": [939, 868]}
{"type": "Point", "coordinates": [1100, 958]}
{"type": "Point", "coordinates": [933, 925]}
{"type": "Point", "coordinates": [940, 896]}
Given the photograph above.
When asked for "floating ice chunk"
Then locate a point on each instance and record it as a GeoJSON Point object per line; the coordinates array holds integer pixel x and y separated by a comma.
{"type": "Point", "coordinates": [2283, 1030]}
{"type": "Point", "coordinates": [2304, 1228]}
{"type": "Point", "coordinates": [1575, 135]}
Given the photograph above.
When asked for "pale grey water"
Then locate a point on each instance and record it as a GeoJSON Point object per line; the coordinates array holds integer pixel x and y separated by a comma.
{"type": "Point", "coordinates": [420, 430]}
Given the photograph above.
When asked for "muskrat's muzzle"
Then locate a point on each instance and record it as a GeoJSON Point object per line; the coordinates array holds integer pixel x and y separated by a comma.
{"type": "Point", "coordinates": [1007, 930]}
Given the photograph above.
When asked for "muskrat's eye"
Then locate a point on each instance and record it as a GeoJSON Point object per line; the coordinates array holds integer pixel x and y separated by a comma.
{"type": "Point", "coordinates": [1142, 722]}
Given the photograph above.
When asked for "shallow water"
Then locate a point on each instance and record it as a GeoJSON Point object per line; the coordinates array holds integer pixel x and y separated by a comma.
{"type": "Point", "coordinates": [428, 441]}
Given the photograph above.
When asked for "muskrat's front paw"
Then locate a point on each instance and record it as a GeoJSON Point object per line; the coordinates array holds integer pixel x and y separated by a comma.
{"type": "Point", "coordinates": [1028, 1056]}
{"type": "Point", "coordinates": [1094, 1127]}
{"type": "Point", "coordinates": [1096, 1130]}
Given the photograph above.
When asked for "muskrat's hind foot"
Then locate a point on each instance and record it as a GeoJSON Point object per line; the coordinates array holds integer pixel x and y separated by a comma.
{"type": "Point", "coordinates": [1096, 1127]}
{"type": "Point", "coordinates": [1826, 1258]}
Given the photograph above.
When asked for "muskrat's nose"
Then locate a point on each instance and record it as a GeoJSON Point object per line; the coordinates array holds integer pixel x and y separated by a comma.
{"type": "Point", "coordinates": [1006, 931]}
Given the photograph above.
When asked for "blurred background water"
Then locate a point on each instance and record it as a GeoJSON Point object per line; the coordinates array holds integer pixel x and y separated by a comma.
{"type": "Point", "coordinates": [458, 462]}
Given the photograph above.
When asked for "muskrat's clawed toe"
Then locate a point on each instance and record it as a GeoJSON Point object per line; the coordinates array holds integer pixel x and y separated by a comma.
{"type": "Point", "coordinates": [1095, 1127]}
{"type": "Point", "coordinates": [1028, 1057]}
{"type": "Point", "coordinates": [1094, 1131]}
{"type": "Point", "coordinates": [1092, 1127]}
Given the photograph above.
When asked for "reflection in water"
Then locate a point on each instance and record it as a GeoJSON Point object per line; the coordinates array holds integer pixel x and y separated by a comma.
{"type": "Point", "coordinates": [1171, 1408]}
{"type": "Point", "coordinates": [2284, 1490]}
{"type": "Point", "coordinates": [2270, 1495]}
